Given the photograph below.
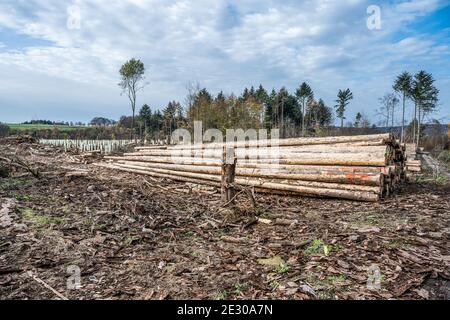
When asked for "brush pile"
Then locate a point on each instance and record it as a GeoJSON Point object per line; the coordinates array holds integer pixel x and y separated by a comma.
{"type": "Point", "coordinates": [365, 168]}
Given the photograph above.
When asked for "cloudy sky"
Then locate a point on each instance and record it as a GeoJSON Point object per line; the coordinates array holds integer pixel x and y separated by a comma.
{"type": "Point", "coordinates": [59, 60]}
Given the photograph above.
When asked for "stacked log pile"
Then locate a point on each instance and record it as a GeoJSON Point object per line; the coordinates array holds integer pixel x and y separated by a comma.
{"type": "Point", "coordinates": [413, 163]}
{"type": "Point", "coordinates": [364, 168]}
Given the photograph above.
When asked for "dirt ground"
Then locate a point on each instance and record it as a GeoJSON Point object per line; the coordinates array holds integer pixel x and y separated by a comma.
{"type": "Point", "coordinates": [135, 237]}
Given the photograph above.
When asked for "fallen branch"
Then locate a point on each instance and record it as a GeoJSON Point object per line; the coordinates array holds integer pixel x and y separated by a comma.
{"type": "Point", "coordinates": [40, 281]}
{"type": "Point", "coordinates": [18, 163]}
{"type": "Point", "coordinates": [232, 199]}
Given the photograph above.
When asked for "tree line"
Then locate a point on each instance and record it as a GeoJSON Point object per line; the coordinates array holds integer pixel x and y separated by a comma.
{"type": "Point", "coordinates": [297, 113]}
{"type": "Point", "coordinates": [54, 123]}
{"type": "Point", "coordinates": [294, 114]}
{"type": "Point", "coordinates": [419, 89]}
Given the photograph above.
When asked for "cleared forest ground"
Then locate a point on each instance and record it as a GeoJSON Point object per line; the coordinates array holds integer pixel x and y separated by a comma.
{"type": "Point", "coordinates": [135, 237]}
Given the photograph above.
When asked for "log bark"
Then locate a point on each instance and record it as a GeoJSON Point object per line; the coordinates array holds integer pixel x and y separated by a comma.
{"type": "Point", "coordinates": [355, 167]}
{"type": "Point", "coordinates": [371, 162]}
{"type": "Point", "coordinates": [372, 178]}
{"type": "Point", "coordinates": [361, 161]}
{"type": "Point", "coordinates": [214, 152]}
{"type": "Point", "coordinates": [277, 188]}
{"type": "Point", "coordinates": [358, 159]}
{"type": "Point", "coordinates": [227, 176]}
{"type": "Point", "coordinates": [386, 138]}
{"type": "Point", "coordinates": [160, 175]}
{"type": "Point", "coordinates": [255, 164]}
{"type": "Point", "coordinates": [175, 160]}
{"type": "Point", "coordinates": [211, 152]}
{"type": "Point", "coordinates": [296, 186]}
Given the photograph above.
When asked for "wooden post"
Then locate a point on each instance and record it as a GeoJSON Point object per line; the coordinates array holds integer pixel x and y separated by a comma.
{"type": "Point", "coordinates": [228, 175]}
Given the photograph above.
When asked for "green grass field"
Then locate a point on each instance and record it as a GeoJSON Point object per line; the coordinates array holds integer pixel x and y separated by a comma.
{"type": "Point", "coordinates": [23, 127]}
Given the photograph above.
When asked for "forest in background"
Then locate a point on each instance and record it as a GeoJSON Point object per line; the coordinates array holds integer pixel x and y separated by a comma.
{"type": "Point", "coordinates": [294, 114]}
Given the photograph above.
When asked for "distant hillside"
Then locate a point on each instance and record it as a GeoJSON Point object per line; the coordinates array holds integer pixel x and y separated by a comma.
{"type": "Point", "coordinates": [61, 127]}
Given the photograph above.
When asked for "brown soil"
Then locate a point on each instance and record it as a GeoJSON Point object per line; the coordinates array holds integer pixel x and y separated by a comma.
{"type": "Point", "coordinates": [135, 237]}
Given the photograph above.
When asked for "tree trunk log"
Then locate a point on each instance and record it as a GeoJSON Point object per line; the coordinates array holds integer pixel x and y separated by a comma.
{"type": "Point", "coordinates": [385, 137]}
{"type": "Point", "coordinates": [372, 178]}
{"type": "Point", "coordinates": [355, 167]}
{"type": "Point", "coordinates": [227, 176]}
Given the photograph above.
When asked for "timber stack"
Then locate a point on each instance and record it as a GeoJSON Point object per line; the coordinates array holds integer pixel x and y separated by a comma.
{"type": "Point", "coordinates": [365, 168]}
{"type": "Point", "coordinates": [413, 163]}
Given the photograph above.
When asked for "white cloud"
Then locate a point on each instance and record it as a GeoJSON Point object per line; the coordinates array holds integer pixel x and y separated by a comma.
{"type": "Point", "coordinates": [222, 44]}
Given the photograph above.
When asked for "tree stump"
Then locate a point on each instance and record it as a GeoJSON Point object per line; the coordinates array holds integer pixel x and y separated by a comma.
{"type": "Point", "coordinates": [228, 175]}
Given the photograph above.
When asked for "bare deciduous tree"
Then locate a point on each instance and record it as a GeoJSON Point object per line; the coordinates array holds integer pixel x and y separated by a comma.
{"type": "Point", "coordinates": [403, 85]}
{"type": "Point", "coordinates": [387, 110]}
{"type": "Point", "coordinates": [132, 77]}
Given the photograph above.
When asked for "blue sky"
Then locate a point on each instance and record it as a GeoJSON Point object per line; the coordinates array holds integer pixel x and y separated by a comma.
{"type": "Point", "coordinates": [51, 70]}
